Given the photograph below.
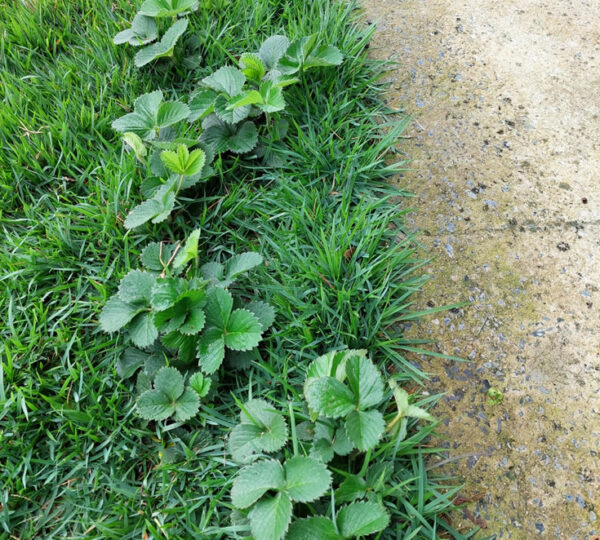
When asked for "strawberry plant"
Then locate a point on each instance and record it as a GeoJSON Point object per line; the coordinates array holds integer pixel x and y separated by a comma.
{"type": "Point", "coordinates": [264, 492]}
{"type": "Point", "coordinates": [186, 314]}
{"type": "Point", "coordinates": [347, 386]}
{"type": "Point", "coordinates": [221, 118]}
{"type": "Point", "coordinates": [144, 29]}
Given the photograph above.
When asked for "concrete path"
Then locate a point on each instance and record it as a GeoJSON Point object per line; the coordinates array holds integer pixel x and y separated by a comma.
{"type": "Point", "coordinates": [506, 149]}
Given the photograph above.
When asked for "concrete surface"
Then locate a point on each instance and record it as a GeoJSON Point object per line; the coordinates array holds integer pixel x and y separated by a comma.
{"type": "Point", "coordinates": [506, 150]}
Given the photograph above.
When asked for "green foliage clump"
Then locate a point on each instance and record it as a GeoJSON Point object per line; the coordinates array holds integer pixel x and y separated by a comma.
{"type": "Point", "coordinates": [187, 315]}
{"type": "Point", "coordinates": [228, 108]}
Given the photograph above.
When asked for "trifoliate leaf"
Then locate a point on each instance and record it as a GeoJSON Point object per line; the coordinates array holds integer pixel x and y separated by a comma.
{"type": "Point", "coordinates": [365, 382]}
{"type": "Point", "coordinates": [195, 163]}
{"type": "Point", "coordinates": [201, 105]}
{"type": "Point", "coordinates": [171, 161]}
{"type": "Point", "coordinates": [189, 251]}
{"type": "Point", "coordinates": [211, 351]}
{"type": "Point", "coordinates": [353, 487]}
{"type": "Point", "coordinates": [273, 49]}
{"type": "Point", "coordinates": [364, 428]}
{"type": "Point", "coordinates": [143, 30]}
{"type": "Point", "coordinates": [228, 80]}
{"type": "Point", "coordinates": [142, 330]}
{"type": "Point", "coordinates": [238, 264]}
{"type": "Point", "coordinates": [136, 286]}
{"type": "Point", "coordinates": [306, 479]}
{"type": "Point", "coordinates": [238, 139]}
{"type": "Point", "coordinates": [200, 384]}
{"type": "Point", "coordinates": [254, 481]}
{"type": "Point", "coordinates": [270, 517]}
{"type": "Point", "coordinates": [130, 361]}
{"type": "Point", "coordinates": [361, 519]}
{"type": "Point", "coordinates": [168, 397]}
{"type": "Point", "coordinates": [162, 48]}
{"type": "Point", "coordinates": [252, 67]}
{"type": "Point", "coordinates": [324, 56]}
{"type": "Point", "coordinates": [263, 312]}
{"type": "Point", "coordinates": [243, 331]}
{"type": "Point", "coordinates": [313, 528]}
{"type": "Point", "coordinates": [169, 381]}
{"type": "Point", "coordinates": [117, 314]}
{"type": "Point", "coordinates": [167, 8]}
{"type": "Point", "coordinates": [136, 144]}
{"type": "Point", "coordinates": [183, 162]}
{"type": "Point", "coordinates": [328, 397]}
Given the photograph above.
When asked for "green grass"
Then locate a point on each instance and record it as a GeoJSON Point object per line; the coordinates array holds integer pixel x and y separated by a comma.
{"type": "Point", "coordinates": [75, 460]}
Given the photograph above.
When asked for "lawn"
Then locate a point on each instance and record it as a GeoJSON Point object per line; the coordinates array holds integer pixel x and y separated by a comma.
{"type": "Point", "coordinates": [77, 460]}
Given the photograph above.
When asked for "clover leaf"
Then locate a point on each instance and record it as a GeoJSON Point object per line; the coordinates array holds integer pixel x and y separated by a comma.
{"type": "Point", "coordinates": [169, 397]}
